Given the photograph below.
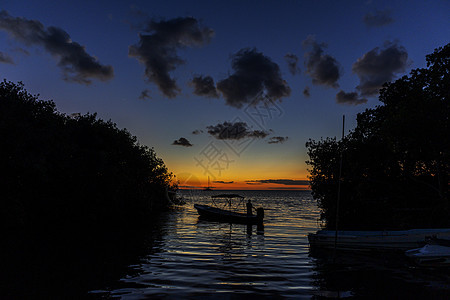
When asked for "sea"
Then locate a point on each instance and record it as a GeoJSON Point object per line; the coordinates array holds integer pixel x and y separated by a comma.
{"type": "Point", "coordinates": [188, 258]}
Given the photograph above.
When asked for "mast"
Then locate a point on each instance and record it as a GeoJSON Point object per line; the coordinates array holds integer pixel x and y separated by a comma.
{"type": "Point", "coordinates": [339, 186]}
{"type": "Point", "coordinates": [208, 188]}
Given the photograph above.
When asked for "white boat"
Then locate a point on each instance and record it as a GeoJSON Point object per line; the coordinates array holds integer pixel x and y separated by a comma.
{"type": "Point", "coordinates": [376, 240]}
{"type": "Point", "coordinates": [435, 253]}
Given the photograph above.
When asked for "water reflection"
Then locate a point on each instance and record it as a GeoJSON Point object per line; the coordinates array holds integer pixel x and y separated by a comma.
{"type": "Point", "coordinates": [219, 260]}
{"type": "Point", "coordinates": [378, 275]}
{"type": "Point", "coordinates": [62, 264]}
{"type": "Point", "coordinates": [192, 259]}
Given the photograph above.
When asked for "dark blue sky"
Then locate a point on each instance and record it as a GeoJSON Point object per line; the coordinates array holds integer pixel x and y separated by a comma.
{"type": "Point", "coordinates": [135, 63]}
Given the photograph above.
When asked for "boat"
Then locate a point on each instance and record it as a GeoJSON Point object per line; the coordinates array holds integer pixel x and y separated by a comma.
{"type": "Point", "coordinates": [218, 213]}
{"type": "Point", "coordinates": [208, 188]}
{"type": "Point", "coordinates": [436, 253]}
{"type": "Point", "coordinates": [375, 240]}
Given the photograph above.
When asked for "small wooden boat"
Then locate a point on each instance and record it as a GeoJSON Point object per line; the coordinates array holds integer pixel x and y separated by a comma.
{"type": "Point", "coordinates": [230, 215]}
{"type": "Point", "coordinates": [376, 240]}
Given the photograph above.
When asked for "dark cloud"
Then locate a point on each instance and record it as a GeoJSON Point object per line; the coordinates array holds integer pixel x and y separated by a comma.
{"type": "Point", "coordinates": [254, 73]}
{"type": "Point", "coordinates": [182, 142]}
{"type": "Point", "coordinates": [197, 131]}
{"type": "Point", "coordinates": [204, 86]}
{"type": "Point", "coordinates": [279, 181]}
{"type": "Point", "coordinates": [158, 46]}
{"type": "Point", "coordinates": [292, 61]}
{"type": "Point", "coordinates": [145, 94]}
{"type": "Point", "coordinates": [379, 66]}
{"type": "Point", "coordinates": [5, 58]}
{"type": "Point", "coordinates": [235, 131]}
{"type": "Point", "coordinates": [306, 92]}
{"type": "Point", "coordinates": [351, 98]}
{"type": "Point", "coordinates": [76, 63]}
{"type": "Point", "coordinates": [223, 182]}
{"type": "Point", "coordinates": [322, 68]}
{"type": "Point", "coordinates": [378, 18]}
{"type": "Point", "coordinates": [278, 140]}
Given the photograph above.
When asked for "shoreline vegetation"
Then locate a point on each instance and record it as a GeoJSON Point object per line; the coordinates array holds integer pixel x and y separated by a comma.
{"type": "Point", "coordinates": [395, 170]}
{"type": "Point", "coordinates": [81, 199]}
{"type": "Point", "coordinates": [74, 172]}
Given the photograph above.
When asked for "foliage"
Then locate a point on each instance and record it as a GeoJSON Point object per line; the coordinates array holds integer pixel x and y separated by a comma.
{"type": "Point", "coordinates": [395, 162]}
{"type": "Point", "coordinates": [72, 171]}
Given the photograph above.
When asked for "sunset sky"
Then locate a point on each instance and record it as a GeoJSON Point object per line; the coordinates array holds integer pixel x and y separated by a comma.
{"type": "Point", "coordinates": [226, 89]}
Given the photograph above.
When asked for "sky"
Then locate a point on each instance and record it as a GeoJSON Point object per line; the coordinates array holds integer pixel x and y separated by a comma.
{"type": "Point", "coordinates": [225, 90]}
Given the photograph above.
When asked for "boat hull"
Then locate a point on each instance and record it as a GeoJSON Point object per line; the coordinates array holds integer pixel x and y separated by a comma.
{"type": "Point", "coordinates": [430, 255]}
{"type": "Point", "coordinates": [219, 215]}
{"type": "Point", "coordinates": [375, 240]}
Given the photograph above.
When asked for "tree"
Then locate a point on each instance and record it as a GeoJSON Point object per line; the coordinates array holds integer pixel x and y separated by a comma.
{"type": "Point", "coordinates": [395, 162]}
{"type": "Point", "coordinates": [72, 172]}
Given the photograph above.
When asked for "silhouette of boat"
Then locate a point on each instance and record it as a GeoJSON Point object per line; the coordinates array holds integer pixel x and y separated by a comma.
{"type": "Point", "coordinates": [208, 188]}
{"type": "Point", "coordinates": [218, 213]}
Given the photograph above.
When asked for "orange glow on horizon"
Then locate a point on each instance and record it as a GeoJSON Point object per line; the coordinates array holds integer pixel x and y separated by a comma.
{"type": "Point", "coordinates": [190, 181]}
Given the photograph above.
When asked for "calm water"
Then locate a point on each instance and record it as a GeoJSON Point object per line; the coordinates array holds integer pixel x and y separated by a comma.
{"type": "Point", "coordinates": [190, 258]}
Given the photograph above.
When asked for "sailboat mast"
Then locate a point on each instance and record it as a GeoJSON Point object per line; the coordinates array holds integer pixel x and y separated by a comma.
{"type": "Point", "coordinates": [339, 185]}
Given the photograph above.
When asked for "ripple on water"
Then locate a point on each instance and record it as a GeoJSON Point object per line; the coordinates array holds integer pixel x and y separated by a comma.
{"type": "Point", "coordinates": [197, 259]}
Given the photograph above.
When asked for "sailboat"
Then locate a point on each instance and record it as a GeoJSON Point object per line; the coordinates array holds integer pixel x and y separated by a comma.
{"type": "Point", "coordinates": [208, 188]}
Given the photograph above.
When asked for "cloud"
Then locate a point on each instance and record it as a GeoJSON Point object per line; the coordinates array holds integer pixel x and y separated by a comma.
{"type": "Point", "coordinates": [197, 131]}
{"type": "Point", "coordinates": [158, 45]}
{"type": "Point", "coordinates": [306, 92]}
{"type": "Point", "coordinates": [235, 131]}
{"type": "Point", "coordinates": [292, 61]}
{"type": "Point", "coordinates": [279, 181]}
{"type": "Point", "coordinates": [379, 66]}
{"type": "Point", "coordinates": [223, 182]}
{"type": "Point", "coordinates": [322, 68]}
{"type": "Point", "coordinates": [77, 65]}
{"type": "Point", "coordinates": [277, 140]}
{"type": "Point", "coordinates": [182, 142]}
{"type": "Point", "coordinates": [378, 18]}
{"type": "Point", "coordinates": [254, 74]}
{"type": "Point", "coordinates": [6, 59]}
{"type": "Point", "coordinates": [351, 98]}
{"type": "Point", "coordinates": [204, 86]}
{"type": "Point", "coordinates": [145, 94]}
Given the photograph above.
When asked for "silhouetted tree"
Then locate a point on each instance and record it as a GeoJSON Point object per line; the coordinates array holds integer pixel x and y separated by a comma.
{"type": "Point", "coordinates": [395, 162]}
{"type": "Point", "coordinates": [72, 172]}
